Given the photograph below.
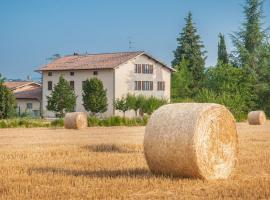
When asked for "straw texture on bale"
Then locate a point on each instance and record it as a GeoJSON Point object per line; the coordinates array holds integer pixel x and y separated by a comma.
{"type": "Point", "coordinates": [256, 118]}
{"type": "Point", "coordinates": [191, 140]}
{"type": "Point", "coordinates": [75, 120]}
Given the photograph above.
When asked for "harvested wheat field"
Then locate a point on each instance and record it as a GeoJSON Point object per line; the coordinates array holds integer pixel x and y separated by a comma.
{"type": "Point", "coordinates": [108, 163]}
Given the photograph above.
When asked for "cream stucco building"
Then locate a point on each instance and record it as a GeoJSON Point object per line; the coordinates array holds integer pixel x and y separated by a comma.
{"type": "Point", "coordinates": [121, 73]}
{"type": "Point", "coordinates": [28, 97]}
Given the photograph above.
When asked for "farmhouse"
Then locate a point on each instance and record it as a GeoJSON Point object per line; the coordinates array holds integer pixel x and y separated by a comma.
{"type": "Point", "coordinates": [28, 96]}
{"type": "Point", "coordinates": [121, 73]}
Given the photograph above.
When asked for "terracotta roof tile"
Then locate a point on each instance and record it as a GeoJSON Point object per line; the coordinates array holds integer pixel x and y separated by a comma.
{"type": "Point", "coordinates": [90, 61]}
{"type": "Point", "coordinates": [12, 85]}
{"type": "Point", "coordinates": [33, 93]}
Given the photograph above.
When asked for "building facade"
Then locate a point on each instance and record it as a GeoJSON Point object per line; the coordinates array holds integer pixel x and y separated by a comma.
{"type": "Point", "coordinates": [28, 97]}
{"type": "Point", "coordinates": [121, 73]}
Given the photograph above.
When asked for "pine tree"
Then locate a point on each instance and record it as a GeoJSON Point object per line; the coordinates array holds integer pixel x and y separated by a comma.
{"type": "Point", "coordinates": [190, 48]}
{"type": "Point", "coordinates": [94, 96]}
{"type": "Point", "coordinates": [62, 98]}
{"type": "Point", "coordinates": [222, 50]}
{"type": "Point", "coordinates": [253, 51]}
{"type": "Point", "coordinates": [251, 36]}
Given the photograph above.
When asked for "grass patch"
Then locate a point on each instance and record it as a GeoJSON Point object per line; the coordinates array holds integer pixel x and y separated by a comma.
{"type": "Point", "coordinates": [24, 122]}
{"type": "Point", "coordinates": [92, 121]}
{"type": "Point", "coordinates": [117, 121]}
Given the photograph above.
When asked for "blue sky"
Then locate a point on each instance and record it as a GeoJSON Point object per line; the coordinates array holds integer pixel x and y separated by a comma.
{"type": "Point", "coordinates": [33, 30]}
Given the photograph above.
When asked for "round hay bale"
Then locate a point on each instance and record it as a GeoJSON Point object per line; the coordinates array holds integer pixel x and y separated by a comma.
{"type": "Point", "coordinates": [75, 120]}
{"type": "Point", "coordinates": [191, 140]}
{"type": "Point", "coordinates": [256, 118]}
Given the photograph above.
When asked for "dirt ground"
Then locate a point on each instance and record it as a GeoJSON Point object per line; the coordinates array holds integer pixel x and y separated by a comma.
{"type": "Point", "coordinates": [108, 163]}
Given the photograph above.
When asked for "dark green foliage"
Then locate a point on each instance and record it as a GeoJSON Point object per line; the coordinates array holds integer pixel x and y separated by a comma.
{"type": "Point", "coordinates": [7, 101]}
{"type": "Point", "coordinates": [182, 82]}
{"type": "Point", "coordinates": [222, 50]}
{"type": "Point", "coordinates": [94, 96]}
{"type": "Point", "coordinates": [190, 48]}
{"type": "Point", "coordinates": [58, 123]}
{"type": "Point", "coordinates": [253, 51]}
{"type": "Point", "coordinates": [62, 98]}
{"type": "Point", "coordinates": [122, 105]}
{"type": "Point", "coordinates": [251, 37]}
{"type": "Point", "coordinates": [230, 86]}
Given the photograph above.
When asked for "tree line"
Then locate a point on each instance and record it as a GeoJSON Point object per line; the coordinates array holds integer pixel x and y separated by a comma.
{"type": "Point", "coordinates": [240, 80]}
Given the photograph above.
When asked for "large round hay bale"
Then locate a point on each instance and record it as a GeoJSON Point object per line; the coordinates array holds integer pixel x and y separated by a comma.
{"type": "Point", "coordinates": [256, 118]}
{"type": "Point", "coordinates": [75, 120]}
{"type": "Point", "coordinates": [191, 140]}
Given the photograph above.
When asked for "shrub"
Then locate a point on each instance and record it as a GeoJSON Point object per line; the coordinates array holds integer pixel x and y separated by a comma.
{"type": "Point", "coordinates": [23, 122]}
{"type": "Point", "coordinates": [117, 121]}
{"type": "Point", "coordinates": [58, 122]}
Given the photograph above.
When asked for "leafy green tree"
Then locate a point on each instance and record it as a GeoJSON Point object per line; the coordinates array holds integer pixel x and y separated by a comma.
{"type": "Point", "coordinates": [191, 48]}
{"type": "Point", "coordinates": [181, 81]}
{"type": "Point", "coordinates": [122, 105]}
{"type": "Point", "coordinates": [133, 103]}
{"type": "Point", "coordinates": [7, 101]}
{"type": "Point", "coordinates": [152, 103]}
{"type": "Point", "coordinates": [230, 86]}
{"type": "Point", "coordinates": [62, 98]}
{"type": "Point", "coordinates": [222, 50]}
{"type": "Point", "coordinates": [94, 96]}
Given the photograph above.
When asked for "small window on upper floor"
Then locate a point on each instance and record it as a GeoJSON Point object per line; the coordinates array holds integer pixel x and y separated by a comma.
{"type": "Point", "coordinates": [138, 68]}
{"type": "Point", "coordinates": [71, 73]}
{"type": "Point", "coordinates": [49, 73]}
{"type": "Point", "coordinates": [147, 69]}
{"type": "Point", "coordinates": [83, 83]}
{"type": "Point", "coordinates": [95, 73]}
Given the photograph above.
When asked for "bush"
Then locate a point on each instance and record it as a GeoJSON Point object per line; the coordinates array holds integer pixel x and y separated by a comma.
{"type": "Point", "coordinates": [117, 121]}
{"type": "Point", "coordinates": [234, 102]}
{"type": "Point", "coordinates": [23, 122]}
{"type": "Point", "coordinates": [58, 123]}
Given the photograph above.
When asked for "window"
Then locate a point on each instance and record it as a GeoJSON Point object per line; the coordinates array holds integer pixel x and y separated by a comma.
{"type": "Point", "coordinates": [29, 106]}
{"type": "Point", "coordinates": [138, 85]}
{"type": "Point", "coordinates": [49, 73]}
{"type": "Point", "coordinates": [147, 85]}
{"type": "Point", "coordinates": [71, 73]}
{"type": "Point", "coordinates": [71, 83]}
{"type": "Point", "coordinates": [49, 85]}
{"type": "Point", "coordinates": [147, 69]}
{"type": "Point", "coordinates": [161, 85]}
{"type": "Point", "coordinates": [138, 68]}
{"type": "Point", "coordinates": [83, 83]}
{"type": "Point", "coordinates": [95, 73]}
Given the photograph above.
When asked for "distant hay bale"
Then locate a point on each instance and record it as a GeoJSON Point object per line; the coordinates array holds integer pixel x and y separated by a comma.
{"type": "Point", "coordinates": [256, 118]}
{"type": "Point", "coordinates": [191, 140]}
{"type": "Point", "coordinates": [75, 120]}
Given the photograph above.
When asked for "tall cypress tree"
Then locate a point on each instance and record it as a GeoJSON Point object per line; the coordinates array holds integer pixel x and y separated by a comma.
{"type": "Point", "coordinates": [253, 51]}
{"type": "Point", "coordinates": [251, 36]}
{"type": "Point", "coordinates": [190, 48]}
{"type": "Point", "coordinates": [222, 50]}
